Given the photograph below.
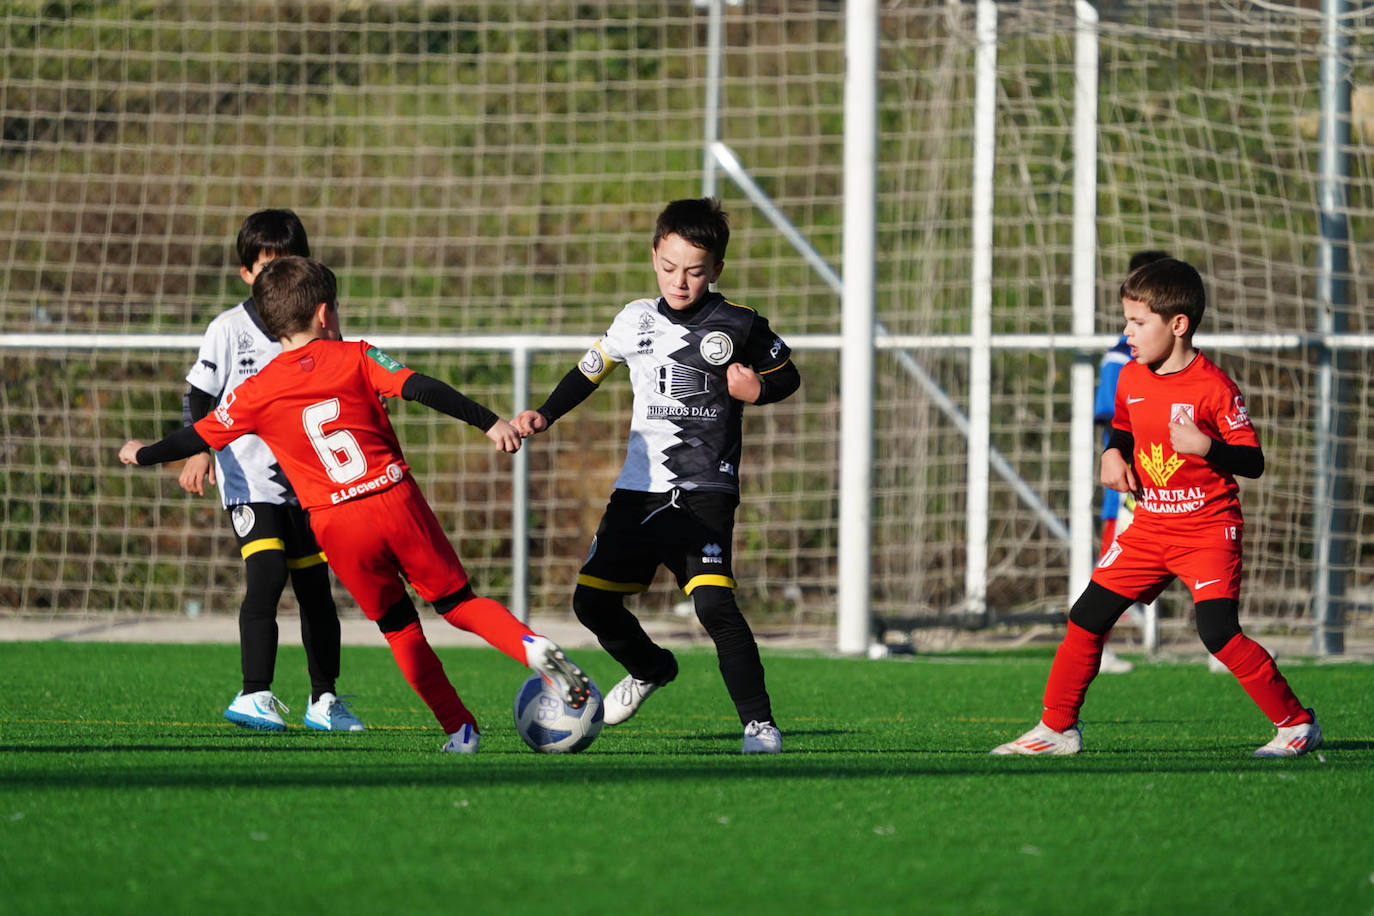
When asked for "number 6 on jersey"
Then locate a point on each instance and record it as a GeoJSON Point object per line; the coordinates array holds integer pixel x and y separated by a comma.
{"type": "Point", "coordinates": [339, 452]}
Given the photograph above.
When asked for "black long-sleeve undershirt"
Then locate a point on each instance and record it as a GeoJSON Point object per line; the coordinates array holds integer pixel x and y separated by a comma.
{"type": "Point", "coordinates": [196, 404]}
{"type": "Point", "coordinates": [571, 390]}
{"type": "Point", "coordinates": [421, 388]}
{"type": "Point", "coordinates": [183, 443]}
{"type": "Point", "coordinates": [441, 396]}
{"type": "Point", "coordinates": [1237, 460]}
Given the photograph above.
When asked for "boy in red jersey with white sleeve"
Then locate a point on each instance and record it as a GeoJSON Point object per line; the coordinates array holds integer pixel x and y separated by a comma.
{"type": "Point", "coordinates": [1180, 436]}
{"type": "Point", "coordinates": [318, 407]}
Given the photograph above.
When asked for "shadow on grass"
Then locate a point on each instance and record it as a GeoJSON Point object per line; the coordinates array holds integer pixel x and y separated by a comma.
{"type": "Point", "coordinates": [360, 766]}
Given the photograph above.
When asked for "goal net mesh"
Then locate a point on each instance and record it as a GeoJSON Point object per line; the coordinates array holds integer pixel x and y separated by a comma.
{"type": "Point", "coordinates": [496, 167]}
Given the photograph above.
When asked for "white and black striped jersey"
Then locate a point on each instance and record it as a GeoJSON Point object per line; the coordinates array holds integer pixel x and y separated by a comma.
{"type": "Point", "coordinates": [235, 347]}
{"type": "Point", "coordinates": [685, 428]}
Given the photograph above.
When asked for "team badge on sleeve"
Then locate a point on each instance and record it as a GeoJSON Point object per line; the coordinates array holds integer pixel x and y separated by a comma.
{"type": "Point", "coordinates": [1239, 417]}
{"type": "Point", "coordinates": [222, 411]}
{"type": "Point", "coordinates": [594, 364]}
{"type": "Point", "coordinates": [386, 362]}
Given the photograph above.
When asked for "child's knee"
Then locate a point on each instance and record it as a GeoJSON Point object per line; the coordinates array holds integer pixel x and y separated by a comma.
{"type": "Point", "coordinates": [1218, 622]}
{"type": "Point", "coordinates": [716, 608]}
{"type": "Point", "coordinates": [593, 604]}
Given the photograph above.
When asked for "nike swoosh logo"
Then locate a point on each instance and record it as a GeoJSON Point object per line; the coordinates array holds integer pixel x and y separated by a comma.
{"type": "Point", "coordinates": [1197, 585]}
{"type": "Point", "coordinates": [1131, 400]}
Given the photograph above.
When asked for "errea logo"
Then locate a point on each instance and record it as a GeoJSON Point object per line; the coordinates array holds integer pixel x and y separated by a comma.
{"type": "Point", "coordinates": [711, 553]}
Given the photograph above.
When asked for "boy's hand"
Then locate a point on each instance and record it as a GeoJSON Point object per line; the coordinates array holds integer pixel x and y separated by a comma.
{"type": "Point", "coordinates": [1186, 438]}
{"type": "Point", "coordinates": [505, 436]}
{"type": "Point", "coordinates": [1117, 474]}
{"type": "Point", "coordinates": [743, 383]}
{"type": "Point", "coordinates": [530, 422]}
{"type": "Point", "coordinates": [194, 472]}
{"type": "Point", "coordinates": [128, 452]}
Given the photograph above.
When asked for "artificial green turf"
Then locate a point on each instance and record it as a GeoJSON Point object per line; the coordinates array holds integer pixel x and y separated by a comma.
{"type": "Point", "coordinates": [122, 790]}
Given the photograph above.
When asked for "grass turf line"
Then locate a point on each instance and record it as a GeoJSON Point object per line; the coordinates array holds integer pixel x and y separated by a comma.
{"type": "Point", "coordinates": [122, 789]}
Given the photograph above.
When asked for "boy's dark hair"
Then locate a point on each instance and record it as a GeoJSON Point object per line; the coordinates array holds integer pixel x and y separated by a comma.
{"type": "Point", "coordinates": [289, 289]}
{"type": "Point", "coordinates": [1141, 258]}
{"type": "Point", "coordinates": [277, 231]}
{"type": "Point", "coordinates": [700, 221]}
{"type": "Point", "coordinates": [1169, 287]}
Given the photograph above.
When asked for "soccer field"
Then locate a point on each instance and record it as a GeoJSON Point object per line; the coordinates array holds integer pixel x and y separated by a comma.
{"type": "Point", "coordinates": [122, 790]}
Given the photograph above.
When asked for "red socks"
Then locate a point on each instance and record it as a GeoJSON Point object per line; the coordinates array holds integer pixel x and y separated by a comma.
{"type": "Point", "coordinates": [490, 620]}
{"type": "Point", "coordinates": [1257, 673]}
{"type": "Point", "coordinates": [424, 672]}
{"type": "Point", "coordinates": [1080, 654]}
{"type": "Point", "coordinates": [1075, 665]}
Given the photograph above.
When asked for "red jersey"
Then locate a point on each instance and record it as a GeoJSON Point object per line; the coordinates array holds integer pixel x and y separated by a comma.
{"type": "Point", "coordinates": [319, 409]}
{"type": "Point", "coordinates": [1182, 493]}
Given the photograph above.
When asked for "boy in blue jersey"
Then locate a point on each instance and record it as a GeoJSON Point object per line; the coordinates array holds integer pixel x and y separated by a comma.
{"type": "Point", "coordinates": [695, 359]}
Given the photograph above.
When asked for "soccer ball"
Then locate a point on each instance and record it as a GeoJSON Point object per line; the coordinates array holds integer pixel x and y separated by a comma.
{"type": "Point", "coordinates": [551, 726]}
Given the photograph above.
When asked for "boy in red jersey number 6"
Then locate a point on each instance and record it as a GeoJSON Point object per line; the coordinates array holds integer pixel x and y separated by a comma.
{"type": "Point", "coordinates": [1180, 435]}
{"type": "Point", "coordinates": [318, 407]}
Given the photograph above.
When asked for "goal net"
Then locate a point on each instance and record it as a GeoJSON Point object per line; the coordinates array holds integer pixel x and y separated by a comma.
{"type": "Point", "coordinates": [495, 167]}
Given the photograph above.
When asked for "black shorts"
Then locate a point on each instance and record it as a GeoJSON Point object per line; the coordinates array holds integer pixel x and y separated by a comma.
{"type": "Point", "coordinates": [275, 526]}
{"type": "Point", "coordinates": [690, 533]}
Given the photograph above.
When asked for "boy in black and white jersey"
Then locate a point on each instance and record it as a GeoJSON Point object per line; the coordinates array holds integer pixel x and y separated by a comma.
{"type": "Point", "coordinates": [272, 530]}
{"type": "Point", "coordinates": [695, 359]}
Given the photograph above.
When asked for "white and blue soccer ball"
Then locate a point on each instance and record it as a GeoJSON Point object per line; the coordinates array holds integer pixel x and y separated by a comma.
{"type": "Point", "coordinates": [551, 726]}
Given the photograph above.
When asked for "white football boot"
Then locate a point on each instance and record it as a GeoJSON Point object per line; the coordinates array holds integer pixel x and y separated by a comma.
{"type": "Point", "coordinates": [625, 699]}
{"type": "Point", "coordinates": [761, 738]}
{"type": "Point", "coordinates": [257, 710]}
{"type": "Point", "coordinates": [463, 741]}
{"type": "Point", "coordinates": [543, 657]}
{"type": "Point", "coordinates": [1294, 740]}
{"type": "Point", "coordinates": [331, 714]}
{"type": "Point", "coordinates": [1044, 740]}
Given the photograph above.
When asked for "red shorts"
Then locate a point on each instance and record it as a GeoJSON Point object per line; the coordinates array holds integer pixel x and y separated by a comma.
{"type": "Point", "coordinates": [373, 541]}
{"type": "Point", "coordinates": [1140, 563]}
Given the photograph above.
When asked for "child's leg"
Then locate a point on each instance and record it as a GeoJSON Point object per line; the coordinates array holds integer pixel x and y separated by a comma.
{"type": "Point", "coordinates": [622, 636]}
{"type": "Point", "coordinates": [1218, 624]}
{"type": "Point", "coordinates": [320, 633]}
{"type": "Point", "coordinates": [264, 573]}
{"type": "Point", "coordinates": [421, 667]}
{"type": "Point", "coordinates": [1080, 654]}
{"type": "Point", "coordinates": [488, 619]}
{"type": "Point", "coordinates": [736, 650]}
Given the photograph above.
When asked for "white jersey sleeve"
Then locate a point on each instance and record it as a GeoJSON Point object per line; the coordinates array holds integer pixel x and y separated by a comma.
{"type": "Point", "coordinates": [235, 347]}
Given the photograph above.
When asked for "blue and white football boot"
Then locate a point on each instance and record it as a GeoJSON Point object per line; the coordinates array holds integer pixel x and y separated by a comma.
{"type": "Point", "coordinates": [257, 710]}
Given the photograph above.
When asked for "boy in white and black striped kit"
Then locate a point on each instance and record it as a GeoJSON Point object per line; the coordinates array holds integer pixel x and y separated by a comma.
{"type": "Point", "coordinates": [272, 530]}
{"type": "Point", "coordinates": [695, 359]}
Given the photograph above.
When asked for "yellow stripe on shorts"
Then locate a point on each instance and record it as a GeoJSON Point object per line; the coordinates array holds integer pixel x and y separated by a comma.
{"type": "Point", "coordinates": [695, 581]}
{"type": "Point", "coordinates": [606, 585]}
{"type": "Point", "coordinates": [307, 561]}
{"type": "Point", "coordinates": [261, 544]}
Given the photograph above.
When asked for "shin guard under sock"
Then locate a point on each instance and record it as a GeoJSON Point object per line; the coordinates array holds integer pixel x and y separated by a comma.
{"type": "Point", "coordinates": [1075, 665]}
{"type": "Point", "coordinates": [425, 673]}
{"type": "Point", "coordinates": [493, 622]}
{"type": "Point", "coordinates": [1259, 676]}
